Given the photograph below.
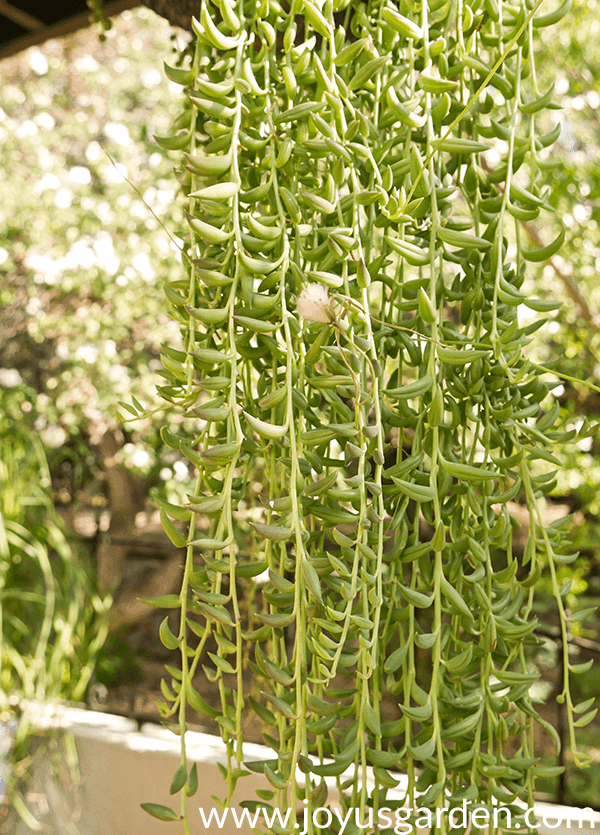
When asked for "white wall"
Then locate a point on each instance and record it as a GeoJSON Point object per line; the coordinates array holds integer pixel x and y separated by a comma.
{"type": "Point", "coordinates": [121, 767]}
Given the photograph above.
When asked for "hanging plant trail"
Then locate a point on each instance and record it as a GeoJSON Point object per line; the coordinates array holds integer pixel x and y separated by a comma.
{"type": "Point", "coordinates": [357, 399]}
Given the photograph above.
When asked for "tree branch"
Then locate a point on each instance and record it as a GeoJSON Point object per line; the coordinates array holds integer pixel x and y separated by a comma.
{"type": "Point", "coordinates": [568, 283]}
{"type": "Point", "coordinates": [177, 12]}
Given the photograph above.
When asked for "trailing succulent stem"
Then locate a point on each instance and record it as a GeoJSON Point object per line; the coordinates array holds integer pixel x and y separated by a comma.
{"type": "Point", "coordinates": [356, 400]}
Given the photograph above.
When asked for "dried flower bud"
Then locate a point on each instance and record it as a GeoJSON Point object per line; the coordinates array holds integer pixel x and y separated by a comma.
{"type": "Point", "coordinates": [314, 304]}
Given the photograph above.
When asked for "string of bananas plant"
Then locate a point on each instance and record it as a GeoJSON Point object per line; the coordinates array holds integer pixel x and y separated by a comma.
{"type": "Point", "coordinates": [355, 397]}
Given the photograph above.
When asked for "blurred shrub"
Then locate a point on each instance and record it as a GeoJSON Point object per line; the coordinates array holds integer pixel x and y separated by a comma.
{"type": "Point", "coordinates": [53, 621]}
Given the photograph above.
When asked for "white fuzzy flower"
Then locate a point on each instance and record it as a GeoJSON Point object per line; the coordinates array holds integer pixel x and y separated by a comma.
{"type": "Point", "coordinates": [10, 377]}
{"type": "Point", "coordinates": [314, 304]}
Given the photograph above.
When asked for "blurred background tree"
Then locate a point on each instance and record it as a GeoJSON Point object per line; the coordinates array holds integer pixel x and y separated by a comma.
{"type": "Point", "coordinates": [84, 257]}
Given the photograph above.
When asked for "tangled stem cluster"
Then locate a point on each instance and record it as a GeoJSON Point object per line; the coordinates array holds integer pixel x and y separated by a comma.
{"type": "Point", "coordinates": [356, 400]}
